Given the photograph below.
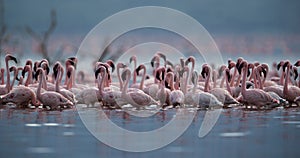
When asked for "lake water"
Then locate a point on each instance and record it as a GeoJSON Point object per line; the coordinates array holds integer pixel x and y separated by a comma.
{"type": "Point", "coordinates": [237, 133]}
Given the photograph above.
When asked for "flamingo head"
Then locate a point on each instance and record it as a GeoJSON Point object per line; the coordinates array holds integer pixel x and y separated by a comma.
{"type": "Point", "coordinates": [10, 57]}
{"type": "Point", "coordinates": [242, 65]}
{"type": "Point", "coordinates": [227, 71]}
{"type": "Point", "coordinates": [238, 62]}
{"type": "Point", "coordinates": [295, 71]}
{"type": "Point", "coordinates": [111, 64]}
{"type": "Point", "coordinates": [28, 62]}
{"type": "Point", "coordinates": [45, 65]}
{"type": "Point", "coordinates": [297, 63]}
{"type": "Point", "coordinates": [279, 65]}
{"type": "Point", "coordinates": [137, 70]}
{"type": "Point", "coordinates": [286, 64]}
{"type": "Point", "coordinates": [161, 55]}
{"type": "Point", "coordinates": [190, 59]}
{"type": "Point", "coordinates": [205, 70]}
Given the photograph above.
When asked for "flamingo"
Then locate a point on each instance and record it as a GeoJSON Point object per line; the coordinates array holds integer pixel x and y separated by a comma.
{"type": "Point", "coordinates": [5, 89]}
{"type": "Point", "coordinates": [137, 99]}
{"type": "Point", "coordinates": [290, 92]}
{"type": "Point", "coordinates": [66, 93]}
{"type": "Point", "coordinates": [176, 95]}
{"type": "Point", "coordinates": [16, 72]}
{"type": "Point", "coordinates": [256, 97]}
{"type": "Point", "coordinates": [163, 94]}
{"type": "Point", "coordinates": [21, 96]}
{"type": "Point", "coordinates": [221, 94]}
{"type": "Point", "coordinates": [109, 96]}
{"type": "Point", "coordinates": [192, 60]}
{"type": "Point", "coordinates": [50, 98]}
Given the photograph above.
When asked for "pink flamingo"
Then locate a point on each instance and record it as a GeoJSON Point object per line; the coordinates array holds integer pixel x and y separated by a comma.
{"type": "Point", "coordinates": [221, 94]}
{"type": "Point", "coordinates": [67, 94]}
{"type": "Point", "coordinates": [176, 95]}
{"type": "Point", "coordinates": [109, 96]}
{"type": "Point", "coordinates": [5, 89]}
{"type": "Point", "coordinates": [16, 72]}
{"type": "Point", "coordinates": [137, 99]}
{"type": "Point", "coordinates": [20, 95]}
{"type": "Point", "coordinates": [50, 98]}
{"type": "Point", "coordinates": [290, 92]}
{"type": "Point", "coordinates": [256, 97]}
{"type": "Point", "coordinates": [163, 94]}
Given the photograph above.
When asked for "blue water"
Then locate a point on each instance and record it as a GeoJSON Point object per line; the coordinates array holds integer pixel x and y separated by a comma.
{"type": "Point", "coordinates": [237, 133]}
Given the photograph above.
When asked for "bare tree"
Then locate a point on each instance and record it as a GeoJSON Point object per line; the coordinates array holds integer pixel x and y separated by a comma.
{"type": "Point", "coordinates": [43, 38]}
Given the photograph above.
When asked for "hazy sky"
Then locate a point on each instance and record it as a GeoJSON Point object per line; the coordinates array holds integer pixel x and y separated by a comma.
{"type": "Point", "coordinates": [217, 16]}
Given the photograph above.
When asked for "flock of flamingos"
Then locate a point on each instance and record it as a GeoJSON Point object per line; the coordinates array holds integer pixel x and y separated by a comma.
{"type": "Point", "coordinates": [166, 85]}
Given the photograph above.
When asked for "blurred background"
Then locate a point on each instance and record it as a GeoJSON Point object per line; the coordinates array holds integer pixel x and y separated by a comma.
{"type": "Point", "coordinates": [263, 30]}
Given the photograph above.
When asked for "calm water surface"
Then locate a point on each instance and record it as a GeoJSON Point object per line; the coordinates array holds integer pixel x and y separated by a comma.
{"type": "Point", "coordinates": [238, 133]}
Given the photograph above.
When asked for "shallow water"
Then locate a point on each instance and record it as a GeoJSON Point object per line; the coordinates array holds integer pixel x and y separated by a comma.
{"type": "Point", "coordinates": [237, 133]}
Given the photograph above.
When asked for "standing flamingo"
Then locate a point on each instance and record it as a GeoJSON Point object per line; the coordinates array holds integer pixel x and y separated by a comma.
{"type": "Point", "coordinates": [5, 89]}
{"type": "Point", "coordinates": [256, 97]}
{"type": "Point", "coordinates": [176, 95]}
{"type": "Point", "coordinates": [221, 94]}
{"type": "Point", "coordinates": [137, 99]}
{"type": "Point", "coordinates": [290, 92]}
{"type": "Point", "coordinates": [50, 98]}
{"type": "Point", "coordinates": [66, 93]}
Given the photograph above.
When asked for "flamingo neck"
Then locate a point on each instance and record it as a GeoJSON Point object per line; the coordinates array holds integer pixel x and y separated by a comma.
{"type": "Point", "coordinates": [171, 81]}
{"type": "Point", "coordinates": [14, 79]}
{"type": "Point", "coordinates": [233, 77]}
{"type": "Point", "coordinates": [264, 80]}
{"type": "Point", "coordinates": [29, 78]}
{"type": "Point", "coordinates": [257, 76]}
{"type": "Point", "coordinates": [176, 85]}
{"type": "Point", "coordinates": [134, 72]}
{"type": "Point", "coordinates": [215, 78]}
{"type": "Point", "coordinates": [186, 80]}
{"type": "Point", "coordinates": [244, 80]}
{"type": "Point", "coordinates": [101, 85]}
{"type": "Point", "coordinates": [143, 79]}
{"type": "Point", "coordinates": [238, 80]}
{"type": "Point", "coordinates": [227, 84]}
{"type": "Point", "coordinates": [38, 93]}
{"type": "Point", "coordinates": [206, 86]}
{"type": "Point", "coordinates": [66, 77]}
{"type": "Point", "coordinates": [285, 88]}
{"type": "Point", "coordinates": [126, 84]}
{"type": "Point", "coordinates": [57, 81]}
{"type": "Point", "coordinates": [282, 77]}
{"type": "Point", "coordinates": [119, 78]}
